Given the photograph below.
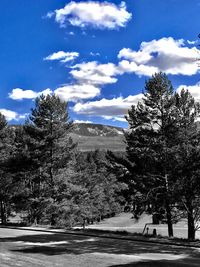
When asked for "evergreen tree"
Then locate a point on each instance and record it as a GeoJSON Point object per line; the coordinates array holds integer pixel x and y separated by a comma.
{"type": "Point", "coordinates": [22, 169]}
{"type": "Point", "coordinates": [100, 196]}
{"type": "Point", "coordinates": [150, 141]}
{"type": "Point", "coordinates": [6, 181]}
{"type": "Point", "coordinates": [187, 161]}
{"type": "Point", "coordinates": [50, 151]}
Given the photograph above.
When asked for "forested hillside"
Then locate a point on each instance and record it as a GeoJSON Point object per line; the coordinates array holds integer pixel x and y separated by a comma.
{"type": "Point", "coordinates": [96, 136]}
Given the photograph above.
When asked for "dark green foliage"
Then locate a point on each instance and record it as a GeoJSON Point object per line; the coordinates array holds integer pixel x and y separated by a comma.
{"type": "Point", "coordinates": [150, 143]}
{"type": "Point", "coordinates": [50, 153]}
{"type": "Point", "coordinates": [187, 161]}
{"type": "Point", "coordinates": [42, 175]}
{"type": "Point", "coordinates": [6, 181]}
{"type": "Point", "coordinates": [162, 163]}
{"type": "Point", "coordinates": [100, 190]}
{"type": "Point", "coordinates": [58, 184]}
{"type": "Point", "coordinates": [150, 140]}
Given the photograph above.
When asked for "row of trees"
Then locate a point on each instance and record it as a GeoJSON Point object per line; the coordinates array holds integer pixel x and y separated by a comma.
{"type": "Point", "coordinates": [45, 177]}
{"type": "Point", "coordinates": [162, 161]}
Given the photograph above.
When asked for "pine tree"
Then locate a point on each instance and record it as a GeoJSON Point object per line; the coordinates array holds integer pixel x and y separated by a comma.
{"type": "Point", "coordinates": [161, 111]}
{"type": "Point", "coordinates": [51, 153]}
{"type": "Point", "coordinates": [150, 140]}
{"type": "Point", "coordinates": [187, 160]}
{"type": "Point", "coordinates": [100, 195]}
{"type": "Point", "coordinates": [6, 181]}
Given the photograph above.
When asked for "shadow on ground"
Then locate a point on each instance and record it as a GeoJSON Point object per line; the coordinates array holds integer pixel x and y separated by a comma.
{"type": "Point", "coordinates": [160, 263]}
{"type": "Point", "coordinates": [140, 254]}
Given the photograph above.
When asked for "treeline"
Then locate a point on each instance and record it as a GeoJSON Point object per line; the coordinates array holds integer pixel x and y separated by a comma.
{"type": "Point", "coordinates": [45, 178]}
{"type": "Point", "coordinates": [162, 161]}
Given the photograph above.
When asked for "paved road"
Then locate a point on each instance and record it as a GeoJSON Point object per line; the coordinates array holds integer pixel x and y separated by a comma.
{"type": "Point", "coordinates": [35, 249]}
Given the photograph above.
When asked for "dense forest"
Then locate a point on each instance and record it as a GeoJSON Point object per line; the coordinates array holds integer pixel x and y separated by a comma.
{"type": "Point", "coordinates": [44, 177]}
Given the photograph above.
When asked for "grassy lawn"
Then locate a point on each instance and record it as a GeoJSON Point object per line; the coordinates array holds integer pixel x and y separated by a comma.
{"type": "Point", "coordinates": [125, 222]}
{"type": "Point", "coordinates": [85, 143]}
{"type": "Point", "coordinates": [31, 248]}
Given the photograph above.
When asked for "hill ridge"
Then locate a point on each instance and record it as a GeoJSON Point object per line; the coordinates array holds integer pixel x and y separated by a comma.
{"type": "Point", "coordinates": [91, 136]}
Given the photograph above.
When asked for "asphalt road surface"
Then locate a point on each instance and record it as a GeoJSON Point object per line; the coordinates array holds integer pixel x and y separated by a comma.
{"type": "Point", "coordinates": [35, 249]}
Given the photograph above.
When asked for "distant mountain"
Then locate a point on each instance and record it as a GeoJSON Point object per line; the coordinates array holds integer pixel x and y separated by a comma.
{"type": "Point", "coordinates": [87, 129]}
{"type": "Point", "coordinates": [97, 136]}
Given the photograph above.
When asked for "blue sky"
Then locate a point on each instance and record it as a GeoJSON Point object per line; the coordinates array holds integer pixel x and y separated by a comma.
{"type": "Point", "coordinates": [94, 54]}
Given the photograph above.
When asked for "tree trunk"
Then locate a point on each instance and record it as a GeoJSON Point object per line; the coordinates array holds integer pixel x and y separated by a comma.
{"type": "Point", "coordinates": [53, 219]}
{"type": "Point", "coordinates": [168, 210]}
{"type": "Point", "coordinates": [3, 215]}
{"type": "Point", "coordinates": [191, 226]}
{"type": "Point", "coordinates": [169, 220]}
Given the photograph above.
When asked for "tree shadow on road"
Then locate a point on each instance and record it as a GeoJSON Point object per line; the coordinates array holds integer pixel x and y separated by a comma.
{"type": "Point", "coordinates": [159, 263]}
{"type": "Point", "coordinates": [59, 244]}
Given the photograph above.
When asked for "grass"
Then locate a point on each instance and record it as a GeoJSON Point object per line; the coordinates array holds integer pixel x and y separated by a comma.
{"type": "Point", "coordinates": [85, 143]}
{"type": "Point", "coordinates": [133, 229]}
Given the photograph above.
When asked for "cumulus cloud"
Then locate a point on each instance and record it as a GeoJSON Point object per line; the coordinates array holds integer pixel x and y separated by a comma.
{"type": "Point", "coordinates": [100, 15]}
{"type": "Point", "coordinates": [19, 94]}
{"type": "Point", "coordinates": [167, 55]}
{"type": "Point", "coordinates": [76, 92]}
{"type": "Point", "coordinates": [194, 90]}
{"type": "Point", "coordinates": [69, 92]}
{"type": "Point", "coordinates": [107, 108]}
{"type": "Point", "coordinates": [88, 79]}
{"type": "Point", "coordinates": [12, 115]}
{"type": "Point", "coordinates": [63, 56]}
{"type": "Point", "coordinates": [126, 66]}
{"type": "Point", "coordinates": [94, 73]}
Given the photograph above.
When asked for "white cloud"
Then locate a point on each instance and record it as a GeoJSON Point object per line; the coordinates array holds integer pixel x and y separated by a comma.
{"type": "Point", "coordinates": [167, 54]}
{"type": "Point", "coordinates": [119, 118]}
{"type": "Point", "coordinates": [50, 15]}
{"type": "Point", "coordinates": [12, 115]}
{"type": "Point", "coordinates": [94, 73]}
{"type": "Point", "coordinates": [82, 121]}
{"type": "Point", "coordinates": [69, 92]}
{"type": "Point", "coordinates": [192, 42]}
{"type": "Point", "coordinates": [101, 15]}
{"type": "Point", "coordinates": [94, 54]}
{"type": "Point", "coordinates": [62, 56]}
{"type": "Point", "coordinates": [194, 90]}
{"type": "Point", "coordinates": [88, 77]}
{"type": "Point", "coordinates": [126, 66]}
{"type": "Point", "coordinates": [116, 107]}
{"type": "Point", "coordinates": [76, 92]}
{"type": "Point", "coordinates": [19, 94]}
